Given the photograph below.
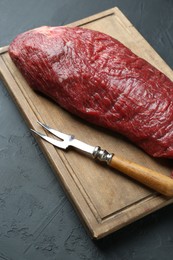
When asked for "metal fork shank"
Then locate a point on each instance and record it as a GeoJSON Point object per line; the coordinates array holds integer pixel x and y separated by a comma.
{"type": "Point", "coordinates": [86, 148]}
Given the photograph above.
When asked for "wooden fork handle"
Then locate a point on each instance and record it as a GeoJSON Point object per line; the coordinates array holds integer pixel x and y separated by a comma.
{"type": "Point", "coordinates": [157, 181]}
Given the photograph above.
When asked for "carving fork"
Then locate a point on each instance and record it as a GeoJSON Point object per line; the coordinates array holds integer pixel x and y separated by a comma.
{"type": "Point", "coordinates": [157, 181]}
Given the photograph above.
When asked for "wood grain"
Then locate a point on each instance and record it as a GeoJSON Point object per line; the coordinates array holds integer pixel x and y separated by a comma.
{"type": "Point", "coordinates": [152, 179]}
{"type": "Point", "coordinates": [105, 199]}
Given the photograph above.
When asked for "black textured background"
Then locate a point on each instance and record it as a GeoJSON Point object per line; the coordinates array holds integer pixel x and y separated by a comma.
{"type": "Point", "coordinates": [37, 221]}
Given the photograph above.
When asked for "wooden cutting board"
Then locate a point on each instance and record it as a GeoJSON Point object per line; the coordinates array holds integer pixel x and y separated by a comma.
{"type": "Point", "coordinates": [105, 199]}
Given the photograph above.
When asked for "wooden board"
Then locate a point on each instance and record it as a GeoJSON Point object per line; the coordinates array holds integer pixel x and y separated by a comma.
{"type": "Point", "coordinates": [104, 198]}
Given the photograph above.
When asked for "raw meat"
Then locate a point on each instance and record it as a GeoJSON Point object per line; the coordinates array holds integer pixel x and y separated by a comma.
{"type": "Point", "coordinates": [94, 76]}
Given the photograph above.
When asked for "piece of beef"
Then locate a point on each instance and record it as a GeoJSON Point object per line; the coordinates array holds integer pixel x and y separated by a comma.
{"type": "Point", "coordinates": [99, 79]}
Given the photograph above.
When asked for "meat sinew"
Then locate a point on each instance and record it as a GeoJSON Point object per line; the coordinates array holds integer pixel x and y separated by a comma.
{"type": "Point", "coordinates": [97, 78]}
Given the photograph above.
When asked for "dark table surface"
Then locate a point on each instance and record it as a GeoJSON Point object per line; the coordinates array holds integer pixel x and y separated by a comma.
{"type": "Point", "coordinates": [36, 219]}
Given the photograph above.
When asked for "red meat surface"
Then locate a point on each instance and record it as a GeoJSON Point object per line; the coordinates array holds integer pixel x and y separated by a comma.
{"type": "Point", "coordinates": [94, 76]}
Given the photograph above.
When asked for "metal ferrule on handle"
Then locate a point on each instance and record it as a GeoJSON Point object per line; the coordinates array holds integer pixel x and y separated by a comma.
{"type": "Point", "coordinates": [102, 155]}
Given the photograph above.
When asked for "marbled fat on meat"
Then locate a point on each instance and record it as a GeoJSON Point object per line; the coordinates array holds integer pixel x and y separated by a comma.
{"type": "Point", "coordinates": [94, 76]}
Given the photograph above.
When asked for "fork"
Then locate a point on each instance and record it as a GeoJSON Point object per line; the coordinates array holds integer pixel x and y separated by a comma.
{"type": "Point", "coordinates": [150, 178]}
